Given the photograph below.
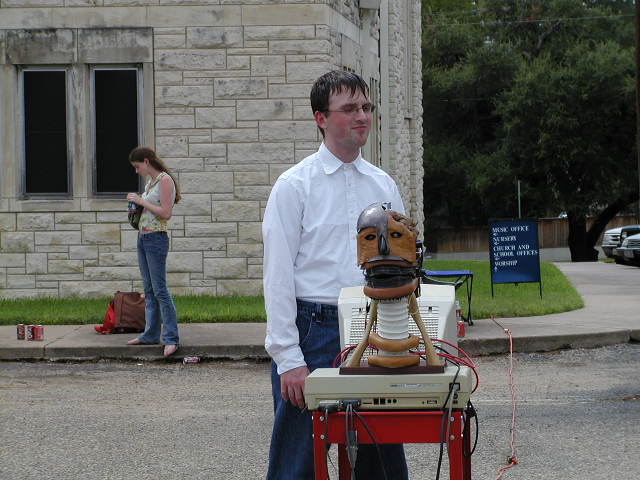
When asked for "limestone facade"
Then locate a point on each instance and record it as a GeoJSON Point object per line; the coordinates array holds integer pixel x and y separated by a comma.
{"type": "Point", "coordinates": [224, 100]}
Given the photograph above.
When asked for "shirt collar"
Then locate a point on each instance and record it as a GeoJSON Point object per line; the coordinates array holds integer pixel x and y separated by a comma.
{"type": "Point", "coordinates": [331, 163]}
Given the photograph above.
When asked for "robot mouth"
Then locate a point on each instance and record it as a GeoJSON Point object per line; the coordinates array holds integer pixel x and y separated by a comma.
{"type": "Point", "coordinates": [385, 258]}
{"type": "Point", "coordinates": [389, 276]}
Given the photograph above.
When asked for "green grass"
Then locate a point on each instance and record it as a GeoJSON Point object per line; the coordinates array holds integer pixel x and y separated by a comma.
{"type": "Point", "coordinates": [78, 311]}
{"type": "Point", "coordinates": [509, 300]}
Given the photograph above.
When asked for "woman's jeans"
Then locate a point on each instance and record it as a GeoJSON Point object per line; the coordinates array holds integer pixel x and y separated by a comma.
{"type": "Point", "coordinates": [291, 452]}
{"type": "Point", "coordinates": [160, 310]}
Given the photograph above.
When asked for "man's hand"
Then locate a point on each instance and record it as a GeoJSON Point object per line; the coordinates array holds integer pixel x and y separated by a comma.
{"type": "Point", "coordinates": [292, 385]}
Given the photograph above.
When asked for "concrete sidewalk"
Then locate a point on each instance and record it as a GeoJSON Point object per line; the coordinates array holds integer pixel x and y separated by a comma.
{"type": "Point", "coordinates": [611, 315]}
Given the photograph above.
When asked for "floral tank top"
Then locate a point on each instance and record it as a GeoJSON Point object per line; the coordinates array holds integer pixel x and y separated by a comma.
{"type": "Point", "coordinates": [148, 221]}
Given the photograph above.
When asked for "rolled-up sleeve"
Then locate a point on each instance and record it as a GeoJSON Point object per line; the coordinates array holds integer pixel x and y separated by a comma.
{"type": "Point", "coordinates": [281, 229]}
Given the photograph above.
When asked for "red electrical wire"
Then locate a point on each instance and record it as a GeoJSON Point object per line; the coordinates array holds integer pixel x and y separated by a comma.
{"type": "Point", "coordinates": [466, 355]}
{"type": "Point", "coordinates": [513, 460]}
{"type": "Point", "coordinates": [341, 357]}
{"type": "Point", "coordinates": [344, 354]}
{"type": "Point", "coordinates": [466, 360]}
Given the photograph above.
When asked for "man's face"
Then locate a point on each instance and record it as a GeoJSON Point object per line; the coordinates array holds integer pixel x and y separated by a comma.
{"type": "Point", "coordinates": [347, 131]}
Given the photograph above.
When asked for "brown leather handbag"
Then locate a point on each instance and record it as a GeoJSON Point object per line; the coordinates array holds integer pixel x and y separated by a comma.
{"type": "Point", "coordinates": [125, 314]}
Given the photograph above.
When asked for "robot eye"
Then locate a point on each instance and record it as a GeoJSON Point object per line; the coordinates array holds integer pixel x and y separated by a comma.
{"type": "Point", "coordinates": [371, 236]}
{"type": "Point", "coordinates": [396, 234]}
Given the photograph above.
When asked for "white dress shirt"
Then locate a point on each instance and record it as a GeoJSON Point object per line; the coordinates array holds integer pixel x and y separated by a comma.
{"type": "Point", "coordinates": [309, 235]}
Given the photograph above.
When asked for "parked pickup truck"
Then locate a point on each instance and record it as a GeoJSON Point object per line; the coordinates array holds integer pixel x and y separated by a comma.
{"type": "Point", "coordinates": [629, 251]}
{"type": "Point", "coordinates": [612, 238]}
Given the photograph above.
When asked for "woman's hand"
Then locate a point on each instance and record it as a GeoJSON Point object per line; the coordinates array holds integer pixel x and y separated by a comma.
{"type": "Point", "coordinates": [135, 198]}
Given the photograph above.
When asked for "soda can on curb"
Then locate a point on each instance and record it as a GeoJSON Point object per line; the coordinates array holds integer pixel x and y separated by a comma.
{"type": "Point", "coordinates": [20, 331]}
{"type": "Point", "coordinates": [186, 360]}
{"type": "Point", "coordinates": [461, 329]}
{"type": "Point", "coordinates": [30, 331]}
{"type": "Point", "coordinates": [38, 333]}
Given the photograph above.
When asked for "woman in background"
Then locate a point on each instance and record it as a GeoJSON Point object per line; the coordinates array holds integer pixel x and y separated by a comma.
{"type": "Point", "coordinates": [161, 192]}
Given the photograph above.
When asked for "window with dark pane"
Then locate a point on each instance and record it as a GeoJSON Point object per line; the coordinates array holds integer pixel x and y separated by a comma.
{"type": "Point", "coordinates": [45, 131]}
{"type": "Point", "coordinates": [116, 129]}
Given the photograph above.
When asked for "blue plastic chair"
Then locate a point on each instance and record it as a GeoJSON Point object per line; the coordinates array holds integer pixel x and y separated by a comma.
{"type": "Point", "coordinates": [461, 277]}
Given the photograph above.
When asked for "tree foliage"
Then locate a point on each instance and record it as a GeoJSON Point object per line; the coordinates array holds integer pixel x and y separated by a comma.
{"type": "Point", "coordinates": [541, 92]}
{"type": "Point", "coordinates": [573, 122]}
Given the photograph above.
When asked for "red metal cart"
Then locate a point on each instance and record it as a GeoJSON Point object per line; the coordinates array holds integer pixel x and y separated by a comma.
{"type": "Point", "coordinates": [411, 426]}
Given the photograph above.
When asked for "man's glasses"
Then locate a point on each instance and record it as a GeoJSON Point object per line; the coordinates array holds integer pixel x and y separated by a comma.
{"type": "Point", "coordinates": [352, 110]}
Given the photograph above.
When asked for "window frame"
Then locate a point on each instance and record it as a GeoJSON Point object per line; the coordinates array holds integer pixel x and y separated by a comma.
{"type": "Point", "coordinates": [138, 67]}
{"type": "Point", "coordinates": [22, 143]}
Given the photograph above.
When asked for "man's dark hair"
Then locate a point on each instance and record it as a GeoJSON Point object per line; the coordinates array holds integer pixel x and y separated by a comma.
{"type": "Point", "coordinates": [335, 82]}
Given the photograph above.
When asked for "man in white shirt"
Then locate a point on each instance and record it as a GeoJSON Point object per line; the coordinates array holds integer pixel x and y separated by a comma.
{"type": "Point", "coordinates": [309, 234]}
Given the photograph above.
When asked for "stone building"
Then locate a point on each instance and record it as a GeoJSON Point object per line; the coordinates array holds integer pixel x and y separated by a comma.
{"type": "Point", "coordinates": [220, 88]}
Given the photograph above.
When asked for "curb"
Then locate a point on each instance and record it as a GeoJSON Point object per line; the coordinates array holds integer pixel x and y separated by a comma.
{"type": "Point", "coordinates": [126, 352]}
{"type": "Point", "coordinates": [474, 347]}
{"type": "Point", "coordinates": [496, 346]}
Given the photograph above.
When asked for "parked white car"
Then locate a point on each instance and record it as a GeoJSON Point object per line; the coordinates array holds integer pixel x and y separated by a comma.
{"type": "Point", "coordinates": [630, 249]}
{"type": "Point", "coordinates": [611, 238]}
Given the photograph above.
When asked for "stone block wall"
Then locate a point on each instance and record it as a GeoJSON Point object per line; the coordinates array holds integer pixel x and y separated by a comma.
{"type": "Point", "coordinates": [226, 106]}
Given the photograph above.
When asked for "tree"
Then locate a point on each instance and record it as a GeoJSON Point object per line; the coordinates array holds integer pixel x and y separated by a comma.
{"type": "Point", "coordinates": [536, 91]}
{"type": "Point", "coordinates": [463, 74]}
{"type": "Point", "coordinates": [568, 128]}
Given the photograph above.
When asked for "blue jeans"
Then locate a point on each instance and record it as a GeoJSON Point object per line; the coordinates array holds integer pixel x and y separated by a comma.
{"type": "Point", "coordinates": [291, 451]}
{"type": "Point", "coordinates": [160, 311]}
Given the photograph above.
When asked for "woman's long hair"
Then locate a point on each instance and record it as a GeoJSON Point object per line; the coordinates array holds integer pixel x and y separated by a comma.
{"type": "Point", "coordinates": [138, 155]}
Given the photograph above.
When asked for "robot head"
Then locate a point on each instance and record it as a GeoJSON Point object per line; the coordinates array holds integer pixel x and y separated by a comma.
{"type": "Point", "coordinates": [387, 252]}
{"type": "Point", "coordinates": [385, 236]}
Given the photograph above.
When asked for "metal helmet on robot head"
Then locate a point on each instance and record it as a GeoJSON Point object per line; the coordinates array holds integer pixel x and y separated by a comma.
{"type": "Point", "coordinates": [385, 236]}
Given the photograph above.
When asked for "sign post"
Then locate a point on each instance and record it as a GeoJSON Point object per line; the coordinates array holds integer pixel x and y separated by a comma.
{"type": "Point", "coordinates": [513, 252]}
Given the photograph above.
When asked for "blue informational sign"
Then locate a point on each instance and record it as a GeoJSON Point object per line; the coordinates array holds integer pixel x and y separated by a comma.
{"type": "Point", "coordinates": [513, 252]}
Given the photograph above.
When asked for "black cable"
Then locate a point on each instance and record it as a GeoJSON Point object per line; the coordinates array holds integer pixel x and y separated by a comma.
{"type": "Point", "coordinates": [442, 349]}
{"type": "Point", "coordinates": [352, 439]}
{"type": "Point", "coordinates": [328, 410]}
{"type": "Point", "coordinates": [375, 442]}
{"type": "Point", "coordinates": [326, 431]}
{"type": "Point", "coordinates": [445, 417]}
{"type": "Point", "coordinates": [472, 413]}
{"type": "Point", "coordinates": [453, 362]}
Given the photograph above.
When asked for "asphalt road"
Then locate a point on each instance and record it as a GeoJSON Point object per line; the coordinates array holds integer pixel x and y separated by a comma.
{"type": "Point", "coordinates": [578, 418]}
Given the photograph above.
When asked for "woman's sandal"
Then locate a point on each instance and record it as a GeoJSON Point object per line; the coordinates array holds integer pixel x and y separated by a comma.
{"type": "Point", "coordinates": [170, 350]}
